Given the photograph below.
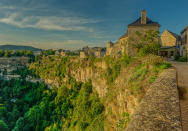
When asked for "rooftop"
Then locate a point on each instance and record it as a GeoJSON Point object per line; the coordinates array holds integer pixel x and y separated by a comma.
{"type": "Point", "coordinates": [175, 35]}
{"type": "Point", "coordinates": [148, 23]}
{"type": "Point", "coordinates": [186, 28]}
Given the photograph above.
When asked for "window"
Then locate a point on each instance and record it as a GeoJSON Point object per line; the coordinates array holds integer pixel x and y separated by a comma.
{"type": "Point", "coordinates": [171, 53]}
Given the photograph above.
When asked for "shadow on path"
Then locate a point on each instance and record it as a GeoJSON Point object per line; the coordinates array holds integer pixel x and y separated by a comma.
{"type": "Point", "coordinates": [182, 72]}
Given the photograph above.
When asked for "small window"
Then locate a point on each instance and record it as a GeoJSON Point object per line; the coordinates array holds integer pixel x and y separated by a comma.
{"type": "Point", "coordinates": [172, 53]}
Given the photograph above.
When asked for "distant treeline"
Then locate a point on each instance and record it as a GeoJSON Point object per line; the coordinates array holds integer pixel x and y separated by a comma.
{"type": "Point", "coordinates": [9, 53]}
{"type": "Point", "coordinates": [29, 53]}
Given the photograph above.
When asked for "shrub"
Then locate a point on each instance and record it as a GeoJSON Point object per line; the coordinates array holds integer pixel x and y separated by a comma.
{"type": "Point", "coordinates": [151, 48]}
{"type": "Point", "coordinates": [3, 126]}
{"type": "Point", "coordinates": [152, 79]}
{"type": "Point", "coordinates": [182, 59]}
{"type": "Point", "coordinates": [114, 66]}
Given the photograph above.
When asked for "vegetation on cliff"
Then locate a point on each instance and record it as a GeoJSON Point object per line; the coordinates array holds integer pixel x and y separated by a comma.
{"type": "Point", "coordinates": [33, 106]}
{"type": "Point", "coordinates": [126, 78]}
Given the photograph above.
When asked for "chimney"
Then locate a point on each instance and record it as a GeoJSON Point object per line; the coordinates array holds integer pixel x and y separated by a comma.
{"type": "Point", "coordinates": [143, 17]}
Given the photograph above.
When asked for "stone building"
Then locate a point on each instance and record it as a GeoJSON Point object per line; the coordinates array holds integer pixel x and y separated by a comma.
{"type": "Point", "coordinates": [109, 47]}
{"type": "Point", "coordinates": [124, 44]}
{"type": "Point", "coordinates": [170, 43]}
{"type": "Point", "coordinates": [141, 25]}
{"type": "Point", "coordinates": [99, 53]}
{"type": "Point", "coordinates": [36, 53]}
{"type": "Point", "coordinates": [83, 54]}
{"type": "Point", "coordinates": [63, 53]}
{"type": "Point", "coordinates": [57, 52]}
{"type": "Point", "coordinates": [184, 44]}
{"type": "Point", "coordinates": [92, 51]}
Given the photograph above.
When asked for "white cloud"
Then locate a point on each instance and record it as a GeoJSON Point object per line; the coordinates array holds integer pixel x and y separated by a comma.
{"type": "Point", "coordinates": [66, 44]}
{"type": "Point", "coordinates": [48, 22]}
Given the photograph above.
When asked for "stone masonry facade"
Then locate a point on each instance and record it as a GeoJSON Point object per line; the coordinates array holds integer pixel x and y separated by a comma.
{"type": "Point", "coordinates": [123, 45]}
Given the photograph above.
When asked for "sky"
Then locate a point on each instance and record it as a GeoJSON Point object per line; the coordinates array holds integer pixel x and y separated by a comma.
{"type": "Point", "coordinates": [72, 24]}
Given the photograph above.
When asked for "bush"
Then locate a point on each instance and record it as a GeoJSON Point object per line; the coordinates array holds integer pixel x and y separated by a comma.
{"type": "Point", "coordinates": [114, 66]}
{"type": "Point", "coordinates": [3, 126]}
{"type": "Point", "coordinates": [151, 48]}
{"type": "Point", "coordinates": [182, 59]}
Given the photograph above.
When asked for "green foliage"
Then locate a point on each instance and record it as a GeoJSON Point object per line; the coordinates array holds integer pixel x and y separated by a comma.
{"type": "Point", "coordinates": [162, 66]}
{"type": "Point", "coordinates": [152, 79]}
{"type": "Point", "coordinates": [8, 53]}
{"type": "Point", "coordinates": [151, 48]}
{"type": "Point", "coordinates": [48, 52]}
{"type": "Point", "coordinates": [139, 73]}
{"type": "Point", "coordinates": [60, 69]}
{"type": "Point", "coordinates": [24, 72]}
{"type": "Point", "coordinates": [147, 43]}
{"type": "Point", "coordinates": [114, 66]}
{"type": "Point", "coordinates": [182, 59]}
{"type": "Point", "coordinates": [33, 106]}
{"type": "Point", "coordinates": [3, 126]}
{"type": "Point", "coordinates": [122, 123]}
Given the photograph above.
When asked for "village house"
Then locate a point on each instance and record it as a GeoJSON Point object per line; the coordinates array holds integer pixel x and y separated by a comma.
{"type": "Point", "coordinates": [92, 51]}
{"type": "Point", "coordinates": [83, 54]}
{"type": "Point", "coordinates": [184, 44]}
{"type": "Point", "coordinates": [36, 53]}
{"type": "Point", "coordinates": [63, 53]}
{"type": "Point", "coordinates": [123, 45]}
{"type": "Point", "coordinates": [170, 43]}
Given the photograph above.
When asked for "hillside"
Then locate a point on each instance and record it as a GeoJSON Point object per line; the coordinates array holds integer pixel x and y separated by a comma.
{"type": "Point", "coordinates": [120, 83]}
{"type": "Point", "coordinates": [18, 47]}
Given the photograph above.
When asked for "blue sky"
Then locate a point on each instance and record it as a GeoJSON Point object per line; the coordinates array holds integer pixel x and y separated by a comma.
{"type": "Point", "coordinates": [71, 24]}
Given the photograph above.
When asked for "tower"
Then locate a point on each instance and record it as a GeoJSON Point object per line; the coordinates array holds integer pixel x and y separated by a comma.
{"type": "Point", "coordinates": [143, 17]}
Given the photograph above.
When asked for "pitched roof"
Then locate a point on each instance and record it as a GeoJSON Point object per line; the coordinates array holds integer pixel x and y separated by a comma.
{"type": "Point", "coordinates": [123, 36]}
{"type": "Point", "coordinates": [148, 23]}
{"type": "Point", "coordinates": [186, 28]}
{"type": "Point", "coordinates": [175, 35]}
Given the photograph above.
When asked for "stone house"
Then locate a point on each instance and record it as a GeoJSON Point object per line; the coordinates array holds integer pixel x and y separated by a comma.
{"type": "Point", "coordinates": [124, 45]}
{"type": "Point", "coordinates": [184, 44]}
{"type": "Point", "coordinates": [170, 43]}
{"type": "Point", "coordinates": [92, 51]}
{"type": "Point", "coordinates": [83, 54]}
{"type": "Point", "coordinates": [99, 53]}
{"type": "Point", "coordinates": [141, 25]}
{"type": "Point", "coordinates": [63, 53]}
{"type": "Point", "coordinates": [36, 53]}
{"type": "Point", "coordinates": [57, 52]}
{"type": "Point", "coordinates": [109, 47]}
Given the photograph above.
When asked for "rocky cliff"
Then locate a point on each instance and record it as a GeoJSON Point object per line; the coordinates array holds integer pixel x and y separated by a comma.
{"type": "Point", "coordinates": [121, 83]}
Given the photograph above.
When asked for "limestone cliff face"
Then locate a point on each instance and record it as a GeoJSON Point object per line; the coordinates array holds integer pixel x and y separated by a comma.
{"type": "Point", "coordinates": [98, 82]}
{"type": "Point", "coordinates": [121, 98]}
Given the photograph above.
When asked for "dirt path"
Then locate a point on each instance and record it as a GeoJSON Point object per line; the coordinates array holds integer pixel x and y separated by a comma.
{"type": "Point", "coordinates": [182, 69]}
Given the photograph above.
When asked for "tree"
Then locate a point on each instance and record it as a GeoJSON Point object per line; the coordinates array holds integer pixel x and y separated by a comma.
{"type": "Point", "coordinates": [3, 126]}
{"type": "Point", "coordinates": [146, 43]}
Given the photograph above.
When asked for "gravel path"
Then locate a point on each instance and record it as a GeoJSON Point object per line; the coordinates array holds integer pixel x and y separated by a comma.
{"type": "Point", "coordinates": [182, 69]}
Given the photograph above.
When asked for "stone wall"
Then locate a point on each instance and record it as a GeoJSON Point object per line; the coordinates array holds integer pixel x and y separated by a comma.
{"type": "Point", "coordinates": [14, 60]}
{"type": "Point", "coordinates": [159, 109]}
{"type": "Point", "coordinates": [142, 29]}
{"type": "Point", "coordinates": [167, 39]}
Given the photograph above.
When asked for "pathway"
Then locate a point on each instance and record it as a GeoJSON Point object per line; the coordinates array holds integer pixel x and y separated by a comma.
{"type": "Point", "coordinates": [182, 70]}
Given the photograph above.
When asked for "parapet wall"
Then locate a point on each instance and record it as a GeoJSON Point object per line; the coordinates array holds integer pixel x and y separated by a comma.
{"type": "Point", "coordinates": [159, 109]}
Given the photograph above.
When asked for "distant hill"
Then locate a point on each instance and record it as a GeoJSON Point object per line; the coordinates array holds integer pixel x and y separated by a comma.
{"type": "Point", "coordinates": [18, 47]}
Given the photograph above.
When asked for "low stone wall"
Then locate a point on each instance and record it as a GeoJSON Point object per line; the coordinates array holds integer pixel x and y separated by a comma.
{"type": "Point", "coordinates": [159, 109]}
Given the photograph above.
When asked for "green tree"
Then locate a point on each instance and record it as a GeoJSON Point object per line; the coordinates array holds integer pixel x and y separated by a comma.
{"type": "Point", "coordinates": [146, 43]}
{"type": "Point", "coordinates": [3, 126]}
